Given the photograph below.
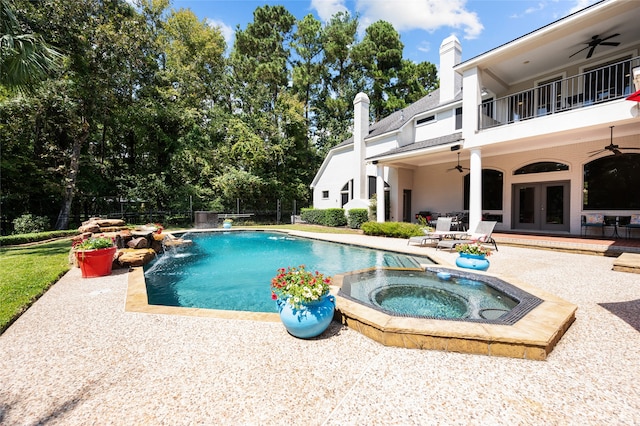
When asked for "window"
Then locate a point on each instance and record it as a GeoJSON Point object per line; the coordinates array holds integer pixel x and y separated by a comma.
{"type": "Point", "coordinates": [458, 118]}
{"type": "Point", "coordinates": [426, 119]}
{"type": "Point", "coordinates": [325, 194]}
{"type": "Point", "coordinates": [346, 193]}
{"type": "Point", "coordinates": [372, 186]}
{"type": "Point", "coordinates": [611, 183]}
{"type": "Point", "coordinates": [541, 167]}
{"type": "Point", "coordinates": [387, 198]}
{"type": "Point", "coordinates": [492, 182]}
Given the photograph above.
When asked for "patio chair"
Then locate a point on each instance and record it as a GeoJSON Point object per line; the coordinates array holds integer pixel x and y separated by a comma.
{"type": "Point", "coordinates": [482, 234]}
{"type": "Point", "coordinates": [592, 220]}
{"type": "Point", "coordinates": [443, 227]}
{"type": "Point", "coordinates": [634, 223]}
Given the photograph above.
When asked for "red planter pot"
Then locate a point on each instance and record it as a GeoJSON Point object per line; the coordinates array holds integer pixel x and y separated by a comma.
{"type": "Point", "coordinates": [95, 263]}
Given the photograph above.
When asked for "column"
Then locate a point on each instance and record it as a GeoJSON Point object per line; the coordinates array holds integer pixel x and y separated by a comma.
{"type": "Point", "coordinates": [380, 207]}
{"type": "Point", "coordinates": [475, 189]}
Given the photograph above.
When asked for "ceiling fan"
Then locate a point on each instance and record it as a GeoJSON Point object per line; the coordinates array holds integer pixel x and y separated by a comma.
{"type": "Point", "coordinates": [458, 167]}
{"type": "Point", "coordinates": [596, 41]}
{"type": "Point", "coordinates": [611, 147]}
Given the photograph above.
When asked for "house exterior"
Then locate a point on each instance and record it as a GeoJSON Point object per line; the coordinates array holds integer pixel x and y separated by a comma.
{"type": "Point", "coordinates": [541, 127]}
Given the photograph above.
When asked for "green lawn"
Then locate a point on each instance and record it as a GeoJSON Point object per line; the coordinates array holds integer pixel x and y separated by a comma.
{"type": "Point", "coordinates": [26, 272]}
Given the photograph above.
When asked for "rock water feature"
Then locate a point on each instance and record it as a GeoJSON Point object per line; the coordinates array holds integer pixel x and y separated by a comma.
{"type": "Point", "coordinates": [136, 247]}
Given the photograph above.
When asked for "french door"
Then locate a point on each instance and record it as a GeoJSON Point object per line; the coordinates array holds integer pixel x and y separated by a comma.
{"type": "Point", "coordinates": [541, 206]}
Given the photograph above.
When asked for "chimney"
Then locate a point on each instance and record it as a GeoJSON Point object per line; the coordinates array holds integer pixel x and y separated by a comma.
{"type": "Point", "coordinates": [360, 131]}
{"type": "Point", "coordinates": [450, 81]}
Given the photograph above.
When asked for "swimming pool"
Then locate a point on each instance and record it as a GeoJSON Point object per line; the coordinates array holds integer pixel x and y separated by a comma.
{"type": "Point", "coordinates": [233, 270]}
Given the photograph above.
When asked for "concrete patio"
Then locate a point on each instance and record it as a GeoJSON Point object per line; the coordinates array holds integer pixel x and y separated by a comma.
{"type": "Point", "coordinates": [78, 357]}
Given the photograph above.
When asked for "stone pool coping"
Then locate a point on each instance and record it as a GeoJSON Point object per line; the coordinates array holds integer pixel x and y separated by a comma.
{"type": "Point", "coordinates": [532, 337]}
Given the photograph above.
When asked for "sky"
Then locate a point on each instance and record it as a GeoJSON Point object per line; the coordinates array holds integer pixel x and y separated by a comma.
{"type": "Point", "coordinates": [480, 25]}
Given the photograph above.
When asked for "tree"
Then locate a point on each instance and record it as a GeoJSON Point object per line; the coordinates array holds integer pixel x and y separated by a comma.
{"type": "Point", "coordinates": [265, 47]}
{"type": "Point", "coordinates": [414, 81]}
{"type": "Point", "coordinates": [101, 43]}
{"type": "Point", "coordinates": [146, 107]}
{"type": "Point", "coordinates": [25, 59]}
{"type": "Point", "coordinates": [341, 81]}
{"type": "Point", "coordinates": [307, 42]}
{"type": "Point", "coordinates": [380, 54]}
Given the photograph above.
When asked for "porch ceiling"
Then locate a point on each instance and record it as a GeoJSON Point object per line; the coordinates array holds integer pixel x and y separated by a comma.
{"type": "Point", "coordinates": [550, 47]}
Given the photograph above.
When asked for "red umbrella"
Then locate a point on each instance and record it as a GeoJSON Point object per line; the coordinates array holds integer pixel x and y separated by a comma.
{"type": "Point", "coordinates": [634, 97]}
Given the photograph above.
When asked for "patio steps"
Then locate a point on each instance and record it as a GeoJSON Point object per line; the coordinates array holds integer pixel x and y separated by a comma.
{"type": "Point", "coordinates": [627, 262]}
{"type": "Point", "coordinates": [400, 261]}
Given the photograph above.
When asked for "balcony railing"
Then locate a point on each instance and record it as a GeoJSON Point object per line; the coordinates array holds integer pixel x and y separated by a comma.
{"type": "Point", "coordinates": [598, 85]}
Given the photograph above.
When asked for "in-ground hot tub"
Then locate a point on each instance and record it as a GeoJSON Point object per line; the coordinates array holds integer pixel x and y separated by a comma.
{"type": "Point", "coordinates": [454, 310]}
{"type": "Point", "coordinates": [439, 293]}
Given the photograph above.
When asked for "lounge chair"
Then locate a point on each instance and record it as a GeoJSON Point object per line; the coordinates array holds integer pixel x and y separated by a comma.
{"type": "Point", "coordinates": [482, 234]}
{"type": "Point", "coordinates": [443, 227]}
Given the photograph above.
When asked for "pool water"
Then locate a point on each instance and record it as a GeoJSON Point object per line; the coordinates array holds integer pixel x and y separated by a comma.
{"type": "Point", "coordinates": [233, 270]}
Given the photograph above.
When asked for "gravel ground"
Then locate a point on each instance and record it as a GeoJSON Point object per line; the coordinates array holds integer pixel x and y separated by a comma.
{"type": "Point", "coordinates": [76, 357]}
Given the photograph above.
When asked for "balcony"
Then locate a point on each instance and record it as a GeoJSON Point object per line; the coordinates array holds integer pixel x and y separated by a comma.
{"type": "Point", "coordinates": [604, 84]}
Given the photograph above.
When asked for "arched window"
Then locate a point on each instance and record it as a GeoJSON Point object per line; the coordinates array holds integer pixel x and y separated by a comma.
{"type": "Point", "coordinates": [346, 193]}
{"type": "Point", "coordinates": [347, 190]}
{"type": "Point", "coordinates": [612, 183]}
{"type": "Point", "coordinates": [492, 183]}
{"type": "Point", "coordinates": [541, 167]}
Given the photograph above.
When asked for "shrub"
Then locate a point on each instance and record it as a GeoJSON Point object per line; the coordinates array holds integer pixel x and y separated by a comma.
{"type": "Point", "coordinates": [28, 223]}
{"type": "Point", "coordinates": [312, 216]}
{"type": "Point", "coordinates": [10, 240]}
{"type": "Point", "coordinates": [335, 217]}
{"type": "Point", "coordinates": [392, 229]}
{"type": "Point", "coordinates": [373, 207]}
{"type": "Point", "coordinates": [357, 217]}
{"type": "Point", "coordinates": [325, 217]}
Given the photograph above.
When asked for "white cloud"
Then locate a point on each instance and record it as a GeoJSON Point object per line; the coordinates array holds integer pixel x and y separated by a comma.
{"type": "Point", "coordinates": [424, 46]}
{"type": "Point", "coordinates": [227, 32]}
{"type": "Point", "coordinates": [580, 4]}
{"type": "Point", "coordinates": [529, 10]}
{"type": "Point", "coordinates": [557, 6]}
{"type": "Point", "coordinates": [327, 8]}
{"type": "Point", "coordinates": [427, 15]}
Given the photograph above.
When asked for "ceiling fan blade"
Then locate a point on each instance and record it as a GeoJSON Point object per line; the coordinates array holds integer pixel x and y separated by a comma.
{"type": "Point", "coordinates": [611, 36]}
{"type": "Point", "coordinates": [591, 51]}
{"type": "Point", "coordinates": [610, 43]}
{"type": "Point", "coordinates": [628, 147]}
{"type": "Point", "coordinates": [579, 51]}
{"type": "Point", "coordinates": [597, 152]}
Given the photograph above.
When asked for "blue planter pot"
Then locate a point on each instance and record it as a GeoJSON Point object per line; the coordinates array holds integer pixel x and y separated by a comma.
{"type": "Point", "coordinates": [310, 319]}
{"type": "Point", "coordinates": [472, 261]}
{"type": "Point", "coordinates": [226, 225]}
